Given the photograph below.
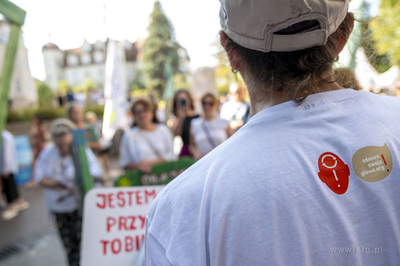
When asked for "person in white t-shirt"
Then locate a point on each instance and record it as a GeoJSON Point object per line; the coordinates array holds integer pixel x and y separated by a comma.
{"type": "Point", "coordinates": [312, 178]}
{"type": "Point", "coordinates": [209, 130]}
{"type": "Point", "coordinates": [80, 98]}
{"type": "Point", "coordinates": [236, 110]}
{"type": "Point", "coordinates": [8, 173]}
{"type": "Point", "coordinates": [148, 142]}
{"type": "Point", "coordinates": [55, 171]}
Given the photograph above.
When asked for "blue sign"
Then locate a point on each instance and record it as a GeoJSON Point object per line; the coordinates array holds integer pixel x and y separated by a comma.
{"type": "Point", "coordinates": [25, 158]}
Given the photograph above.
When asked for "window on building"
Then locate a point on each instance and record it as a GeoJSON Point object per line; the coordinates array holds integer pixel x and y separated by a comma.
{"type": "Point", "coordinates": [4, 33]}
{"type": "Point", "coordinates": [98, 57]}
{"type": "Point", "coordinates": [99, 45]}
{"type": "Point", "coordinates": [47, 63]}
{"type": "Point", "coordinates": [17, 86]}
{"type": "Point", "coordinates": [72, 60]}
{"type": "Point", "coordinates": [87, 47]}
{"type": "Point", "coordinates": [74, 76]}
{"type": "Point", "coordinates": [85, 59]}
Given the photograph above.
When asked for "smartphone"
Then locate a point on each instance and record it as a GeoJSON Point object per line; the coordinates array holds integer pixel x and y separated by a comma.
{"type": "Point", "coordinates": [182, 102]}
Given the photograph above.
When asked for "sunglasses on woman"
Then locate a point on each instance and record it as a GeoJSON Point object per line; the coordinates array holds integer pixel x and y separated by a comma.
{"type": "Point", "coordinates": [207, 103]}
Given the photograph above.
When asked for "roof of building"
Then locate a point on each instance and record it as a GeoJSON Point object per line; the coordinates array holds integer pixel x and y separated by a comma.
{"type": "Point", "coordinates": [50, 46]}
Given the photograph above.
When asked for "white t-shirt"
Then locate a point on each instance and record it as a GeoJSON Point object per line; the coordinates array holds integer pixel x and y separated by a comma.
{"type": "Point", "coordinates": [8, 155]}
{"type": "Point", "coordinates": [261, 197]}
{"type": "Point", "coordinates": [208, 134]}
{"type": "Point", "coordinates": [138, 144]}
{"type": "Point", "coordinates": [51, 165]}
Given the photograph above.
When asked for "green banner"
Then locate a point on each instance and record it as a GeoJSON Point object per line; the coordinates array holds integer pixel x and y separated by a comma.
{"type": "Point", "coordinates": [12, 12]}
{"type": "Point", "coordinates": [16, 16]}
{"type": "Point", "coordinates": [161, 174]}
{"type": "Point", "coordinates": [83, 176]}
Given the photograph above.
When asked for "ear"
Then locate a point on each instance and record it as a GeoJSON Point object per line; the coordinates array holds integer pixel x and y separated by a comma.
{"type": "Point", "coordinates": [345, 34]}
{"type": "Point", "coordinates": [233, 55]}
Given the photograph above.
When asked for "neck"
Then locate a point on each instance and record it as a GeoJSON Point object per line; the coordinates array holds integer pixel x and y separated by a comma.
{"type": "Point", "coordinates": [264, 97]}
{"type": "Point", "coordinates": [148, 127]}
{"type": "Point", "coordinates": [80, 125]}
{"type": "Point", "coordinates": [209, 116]}
{"type": "Point", "coordinates": [64, 154]}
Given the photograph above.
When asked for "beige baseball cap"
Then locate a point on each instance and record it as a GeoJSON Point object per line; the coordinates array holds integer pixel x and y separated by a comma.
{"type": "Point", "coordinates": [255, 24]}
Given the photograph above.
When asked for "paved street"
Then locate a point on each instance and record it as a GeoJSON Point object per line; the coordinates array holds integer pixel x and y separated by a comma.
{"type": "Point", "coordinates": [31, 238]}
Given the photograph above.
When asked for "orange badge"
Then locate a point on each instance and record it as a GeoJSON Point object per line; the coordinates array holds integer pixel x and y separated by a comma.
{"type": "Point", "coordinates": [333, 172]}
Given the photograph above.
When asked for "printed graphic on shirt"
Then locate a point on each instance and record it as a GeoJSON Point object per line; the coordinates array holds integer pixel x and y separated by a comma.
{"type": "Point", "coordinates": [373, 163]}
{"type": "Point", "coordinates": [333, 172]}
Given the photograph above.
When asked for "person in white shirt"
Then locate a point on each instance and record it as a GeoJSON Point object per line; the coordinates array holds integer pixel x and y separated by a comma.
{"type": "Point", "coordinates": [209, 130]}
{"type": "Point", "coordinates": [80, 98]}
{"type": "Point", "coordinates": [236, 110]}
{"type": "Point", "coordinates": [8, 172]}
{"type": "Point", "coordinates": [312, 178]}
{"type": "Point", "coordinates": [148, 142]}
{"type": "Point", "coordinates": [55, 171]}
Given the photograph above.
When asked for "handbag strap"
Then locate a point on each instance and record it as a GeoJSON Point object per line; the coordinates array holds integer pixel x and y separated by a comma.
{"type": "Point", "coordinates": [209, 138]}
{"type": "Point", "coordinates": [151, 145]}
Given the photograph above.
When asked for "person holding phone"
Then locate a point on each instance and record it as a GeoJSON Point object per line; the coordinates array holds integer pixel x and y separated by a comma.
{"type": "Point", "coordinates": [183, 110]}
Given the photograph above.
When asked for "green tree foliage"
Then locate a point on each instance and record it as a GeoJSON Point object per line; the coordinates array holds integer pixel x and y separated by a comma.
{"type": "Point", "coordinates": [87, 85]}
{"type": "Point", "coordinates": [180, 81]}
{"type": "Point", "coordinates": [380, 62]}
{"type": "Point", "coordinates": [159, 48]}
{"type": "Point", "coordinates": [63, 87]}
{"type": "Point", "coordinates": [45, 93]}
{"type": "Point", "coordinates": [138, 83]}
{"type": "Point", "coordinates": [386, 30]}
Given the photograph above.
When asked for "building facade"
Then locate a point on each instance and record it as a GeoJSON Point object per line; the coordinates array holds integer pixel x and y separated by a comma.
{"type": "Point", "coordinates": [78, 65]}
{"type": "Point", "coordinates": [23, 91]}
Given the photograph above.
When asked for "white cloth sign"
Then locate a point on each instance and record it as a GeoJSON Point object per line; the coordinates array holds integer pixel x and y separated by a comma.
{"type": "Point", "coordinates": [114, 224]}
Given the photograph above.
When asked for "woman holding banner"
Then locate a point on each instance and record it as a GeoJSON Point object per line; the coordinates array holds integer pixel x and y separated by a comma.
{"type": "Point", "coordinates": [147, 143]}
{"type": "Point", "coordinates": [55, 171]}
